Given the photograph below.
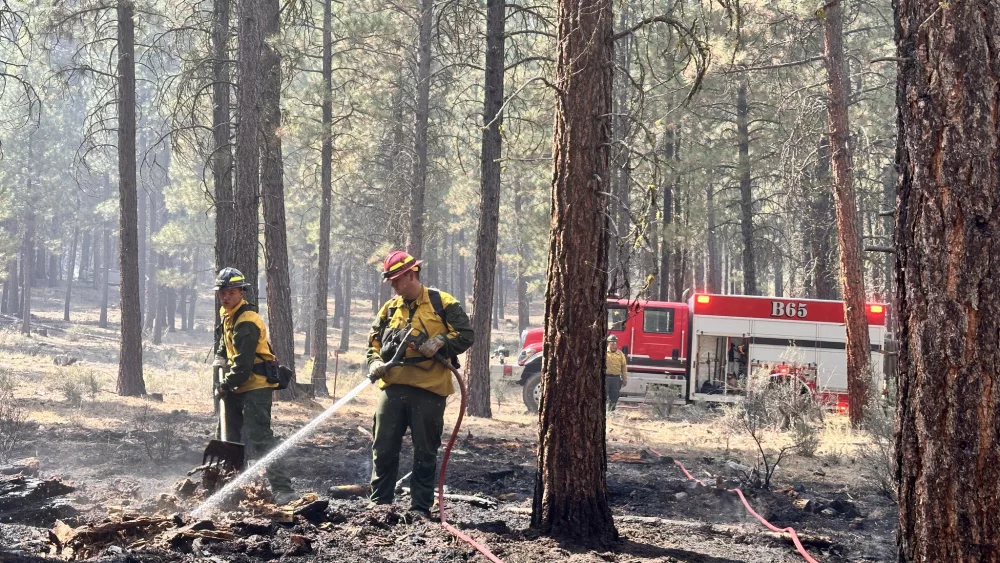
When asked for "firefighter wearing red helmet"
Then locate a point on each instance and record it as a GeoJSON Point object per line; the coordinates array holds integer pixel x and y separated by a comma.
{"type": "Point", "coordinates": [412, 395]}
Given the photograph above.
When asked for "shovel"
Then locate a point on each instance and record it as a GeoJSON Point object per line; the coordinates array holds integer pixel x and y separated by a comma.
{"type": "Point", "coordinates": [223, 456]}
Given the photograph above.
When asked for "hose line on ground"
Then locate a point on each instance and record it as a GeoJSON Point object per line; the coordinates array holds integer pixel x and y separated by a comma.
{"type": "Point", "coordinates": [444, 466]}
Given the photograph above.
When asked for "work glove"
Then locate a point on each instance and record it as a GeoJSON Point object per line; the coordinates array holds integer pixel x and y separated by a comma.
{"type": "Point", "coordinates": [219, 362]}
{"type": "Point", "coordinates": [431, 347]}
{"type": "Point", "coordinates": [221, 391]}
{"type": "Point", "coordinates": [377, 370]}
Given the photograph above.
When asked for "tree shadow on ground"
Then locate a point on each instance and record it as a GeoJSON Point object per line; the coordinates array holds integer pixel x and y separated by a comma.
{"type": "Point", "coordinates": [639, 549]}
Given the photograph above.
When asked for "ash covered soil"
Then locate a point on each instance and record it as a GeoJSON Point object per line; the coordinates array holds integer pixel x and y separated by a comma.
{"type": "Point", "coordinates": [661, 516]}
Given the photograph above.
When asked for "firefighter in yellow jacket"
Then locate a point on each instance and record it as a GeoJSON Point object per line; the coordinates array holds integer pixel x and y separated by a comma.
{"type": "Point", "coordinates": [242, 346]}
{"type": "Point", "coordinates": [412, 395]}
{"type": "Point", "coordinates": [615, 372]}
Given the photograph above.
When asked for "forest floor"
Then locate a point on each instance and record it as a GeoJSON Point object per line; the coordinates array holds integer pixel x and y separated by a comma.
{"type": "Point", "coordinates": [124, 456]}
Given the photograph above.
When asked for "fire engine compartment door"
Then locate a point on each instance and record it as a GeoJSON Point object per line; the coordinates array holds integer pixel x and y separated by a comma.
{"type": "Point", "coordinates": [713, 373]}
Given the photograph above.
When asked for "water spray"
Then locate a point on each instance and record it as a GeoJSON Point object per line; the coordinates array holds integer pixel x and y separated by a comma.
{"type": "Point", "coordinates": [213, 501]}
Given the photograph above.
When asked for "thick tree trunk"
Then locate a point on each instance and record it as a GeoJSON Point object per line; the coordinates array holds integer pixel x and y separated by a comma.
{"type": "Point", "coordinates": [477, 370]}
{"type": "Point", "coordinates": [321, 284]}
{"type": "Point", "coordinates": [345, 331]}
{"type": "Point", "coordinates": [222, 156]}
{"type": "Point", "coordinates": [570, 500]}
{"type": "Point", "coordinates": [130, 379]}
{"type": "Point", "coordinates": [851, 278]}
{"type": "Point", "coordinates": [9, 283]}
{"type": "Point", "coordinates": [69, 277]}
{"type": "Point", "coordinates": [171, 309]}
{"type": "Point", "coordinates": [249, 101]}
{"type": "Point", "coordinates": [279, 292]}
{"type": "Point", "coordinates": [948, 452]}
{"type": "Point", "coordinates": [418, 187]}
{"type": "Point", "coordinates": [746, 189]}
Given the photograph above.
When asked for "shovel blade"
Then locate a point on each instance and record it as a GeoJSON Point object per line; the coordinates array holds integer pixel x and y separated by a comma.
{"type": "Point", "coordinates": [230, 456]}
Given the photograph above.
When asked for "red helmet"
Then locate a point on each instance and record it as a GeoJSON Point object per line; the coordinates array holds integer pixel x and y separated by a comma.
{"type": "Point", "coordinates": [398, 263]}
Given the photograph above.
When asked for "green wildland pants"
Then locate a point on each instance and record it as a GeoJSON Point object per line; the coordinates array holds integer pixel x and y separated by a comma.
{"type": "Point", "coordinates": [248, 420]}
{"type": "Point", "coordinates": [399, 407]}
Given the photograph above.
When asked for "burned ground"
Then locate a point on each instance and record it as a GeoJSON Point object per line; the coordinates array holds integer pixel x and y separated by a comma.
{"type": "Point", "coordinates": [120, 472]}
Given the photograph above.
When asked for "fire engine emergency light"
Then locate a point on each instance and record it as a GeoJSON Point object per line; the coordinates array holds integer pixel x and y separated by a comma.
{"type": "Point", "coordinates": [703, 299]}
{"type": "Point", "coordinates": [876, 309]}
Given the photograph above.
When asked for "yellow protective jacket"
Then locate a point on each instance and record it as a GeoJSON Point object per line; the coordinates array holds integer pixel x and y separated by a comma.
{"type": "Point", "coordinates": [421, 315]}
{"type": "Point", "coordinates": [242, 342]}
{"type": "Point", "coordinates": [614, 364]}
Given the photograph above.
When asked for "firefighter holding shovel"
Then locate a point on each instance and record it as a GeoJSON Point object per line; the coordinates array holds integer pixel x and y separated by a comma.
{"type": "Point", "coordinates": [412, 395]}
{"type": "Point", "coordinates": [245, 392]}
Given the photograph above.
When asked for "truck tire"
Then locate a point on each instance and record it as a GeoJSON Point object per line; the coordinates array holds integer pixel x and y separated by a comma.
{"type": "Point", "coordinates": [531, 393]}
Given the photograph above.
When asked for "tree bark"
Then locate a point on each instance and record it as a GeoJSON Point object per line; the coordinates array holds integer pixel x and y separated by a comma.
{"type": "Point", "coordinates": [222, 156]}
{"type": "Point", "coordinates": [415, 238]}
{"type": "Point", "coordinates": [746, 189]}
{"type": "Point", "coordinates": [338, 291]}
{"type": "Point", "coordinates": [249, 101]}
{"type": "Point", "coordinates": [948, 281]}
{"type": "Point", "coordinates": [570, 500]}
{"type": "Point", "coordinates": [477, 370]}
{"type": "Point", "coordinates": [69, 277]}
{"type": "Point", "coordinates": [321, 285]}
{"type": "Point", "coordinates": [851, 278]}
{"type": "Point", "coordinates": [130, 380]}
{"type": "Point", "coordinates": [279, 292]}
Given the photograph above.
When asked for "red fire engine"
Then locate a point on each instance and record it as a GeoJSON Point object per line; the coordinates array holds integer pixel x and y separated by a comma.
{"type": "Point", "coordinates": [704, 349]}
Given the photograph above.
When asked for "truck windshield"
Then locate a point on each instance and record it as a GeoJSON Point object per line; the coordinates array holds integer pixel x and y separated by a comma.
{"type": "Point", "coordinates": [616, 318]}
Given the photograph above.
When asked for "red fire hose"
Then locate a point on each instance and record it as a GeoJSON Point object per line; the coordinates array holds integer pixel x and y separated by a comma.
{"type": "Point", "coordinates": [444, 466]}
{"type": "Point", "coordinates": [795, 538]}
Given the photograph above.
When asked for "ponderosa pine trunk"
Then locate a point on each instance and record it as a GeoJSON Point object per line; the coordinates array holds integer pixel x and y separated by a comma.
{"type": "Point", "coordinates": [851, 278]}
{"type": "Point", "coordinates": [321, 284]}
{"type": "Point", "coordinates": [477, 370]}
{"type": "Point", "coordinates": [130, 378]}
{"type": "Point", "coordinates": [279, 291]}
{"type": "Point", "coordinates": [570, 500]}
{"type": "Point", "coordinates": [948, 281]}
{"type": "Point", "coordinates": [249, 102]}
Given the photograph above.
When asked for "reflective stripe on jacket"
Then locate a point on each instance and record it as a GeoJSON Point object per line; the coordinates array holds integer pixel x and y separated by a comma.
{"type": "Point", "coordinates": [429, 374]}
{"type": "Point", "coordinates": [244, 344]}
